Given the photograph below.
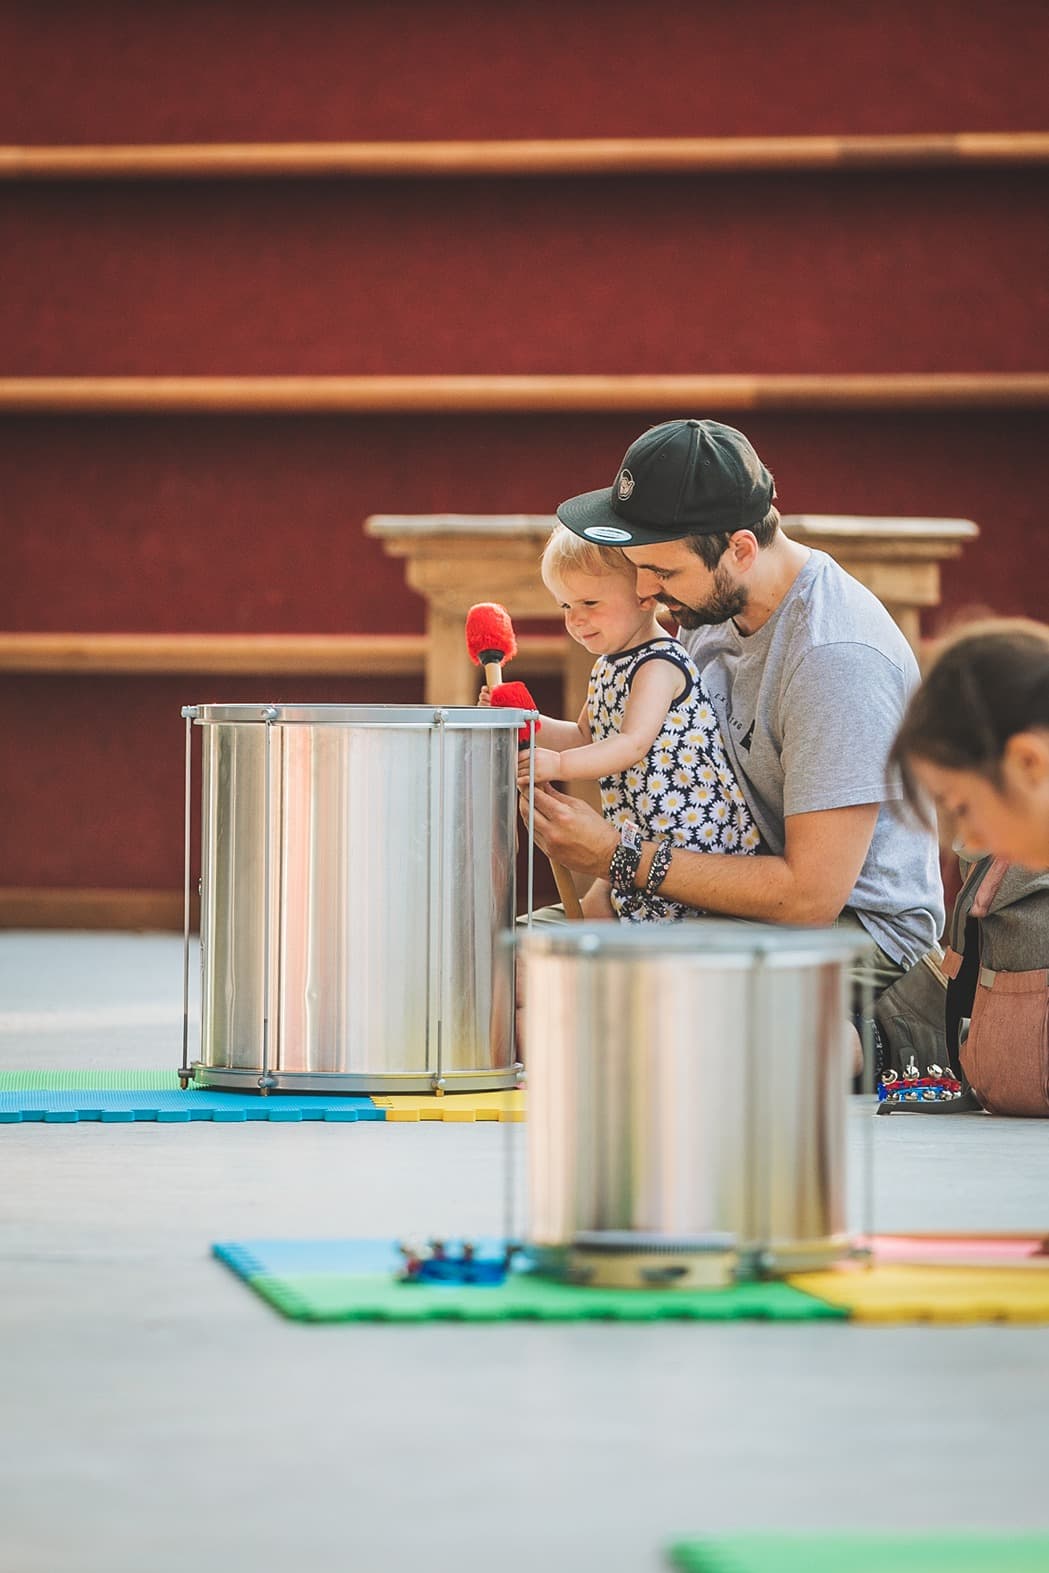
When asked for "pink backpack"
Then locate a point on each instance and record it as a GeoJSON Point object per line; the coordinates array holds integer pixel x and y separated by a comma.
{"type": "Point", "coordinates": [997, 966]}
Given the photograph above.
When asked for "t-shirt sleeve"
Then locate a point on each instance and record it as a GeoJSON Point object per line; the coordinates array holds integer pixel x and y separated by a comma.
{"type": "Point", "coordinates": [839, 715]}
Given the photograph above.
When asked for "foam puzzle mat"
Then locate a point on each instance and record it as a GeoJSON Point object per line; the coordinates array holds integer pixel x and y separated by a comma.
{"type": "Point", "coordinates": [95, 1080]}
{"type": "Point", "coordinates": [355, 1281]}
{"type": "Point", "coordinates": [962, 1250]}
{"type": "Point", "coordinates": [957, 1551]}
{"type": "Point", "coordinates": [453, 1107]}
{"type": "Point", "coordinates": [56, 1106]}
{"type": "Point", "coordinates": [914, 1292]}
{"type": "Point", "coordinates": [65, 1097]}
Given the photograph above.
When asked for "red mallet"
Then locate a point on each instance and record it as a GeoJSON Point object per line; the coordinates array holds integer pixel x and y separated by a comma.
{"type": "Point", "coordinates": [490, 639]}
{"type": "Point", "coordinates": [515, 696]}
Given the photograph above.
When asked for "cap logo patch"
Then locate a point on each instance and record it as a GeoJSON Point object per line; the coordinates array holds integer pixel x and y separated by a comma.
{"type": "Point", "coordinates": [625, 488]}
{"type": "Point", "coordinates": [606, 532]}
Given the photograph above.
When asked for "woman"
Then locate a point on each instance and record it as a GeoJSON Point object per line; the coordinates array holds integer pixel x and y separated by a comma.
{"type": "Point", "coordinates": [975, 737]}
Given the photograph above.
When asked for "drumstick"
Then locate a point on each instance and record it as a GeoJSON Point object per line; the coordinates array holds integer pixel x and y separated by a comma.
{"type": "Point", "coordinates": [515, 696]}
{"type": "Point", "coordinates": [490, 639]}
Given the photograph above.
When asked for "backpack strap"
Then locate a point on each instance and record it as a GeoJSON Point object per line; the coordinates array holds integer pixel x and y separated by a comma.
{"type": "Point", "coordinates": [961, 993]}
{"type": "Point", "coordinates": [963, 968]}
{"type": "Point", "coordinates": [989, 887]}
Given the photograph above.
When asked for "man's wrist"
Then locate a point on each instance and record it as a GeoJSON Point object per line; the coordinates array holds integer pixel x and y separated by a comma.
{"type": "Point", "coordinates": [623, 866]}
{"type": "Point", "coordinates": [603, 853]}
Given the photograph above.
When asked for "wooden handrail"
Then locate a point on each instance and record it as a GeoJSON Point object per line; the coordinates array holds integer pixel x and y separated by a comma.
{"type": "Point", "coordinates": [521, 394]}
{"type": "Point", "coordinates": [532, 157]}
{"type": "Point", "coordinates": [317, 655]}
{"type": "Point", "coordinates": [403, 534]}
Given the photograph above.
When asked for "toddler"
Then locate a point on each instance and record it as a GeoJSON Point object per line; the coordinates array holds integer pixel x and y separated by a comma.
{"type": "Point", "coordinates": [647, 733]}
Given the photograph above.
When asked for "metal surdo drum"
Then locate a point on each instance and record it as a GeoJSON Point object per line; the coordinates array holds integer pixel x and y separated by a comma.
{"type": "Point", "coordinates": [357, 869]}
{"type": "Point", "coordinates": [687, 1099]}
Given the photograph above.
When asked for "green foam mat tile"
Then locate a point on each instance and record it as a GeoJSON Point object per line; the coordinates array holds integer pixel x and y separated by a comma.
{"type": "Point", "coordinates": [956, 1551]}
{"type": "Point", "coordinates": [362, 1298]}
{"type": "Point", "coordinates": [369, 1296]}
{"type": "Point", "coordinates": [95, 1080]}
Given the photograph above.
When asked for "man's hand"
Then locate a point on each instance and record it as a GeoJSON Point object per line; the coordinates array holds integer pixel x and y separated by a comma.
{"type": "Point", "coordinates": [547, 767]}
{"type": "Point", "coordinates": [570, 832]}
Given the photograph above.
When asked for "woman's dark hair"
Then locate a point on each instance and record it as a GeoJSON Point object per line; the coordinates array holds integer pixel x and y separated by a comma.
{"type": "Point", "coordinates": [987, 684]}
{"type": "Point", "coordinates": [710, 549]}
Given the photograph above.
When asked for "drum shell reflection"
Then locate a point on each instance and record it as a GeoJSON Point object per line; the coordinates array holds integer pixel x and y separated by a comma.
{"type": "Point", "coordinates": [357, 870]}
{"type": "Point", "coordinates": [689, 1083]}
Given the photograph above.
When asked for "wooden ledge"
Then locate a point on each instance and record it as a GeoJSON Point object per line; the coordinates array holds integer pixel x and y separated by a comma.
{"type": "Point", "coordinates": [288, 655]}
{"type": "Point", "coordinates": [31, 907]}
{"type": "Point", "coordinates": [408, 532]}
{"type": "Point", "coordinates": [532, 157]}
{"type": "Point", "coordinates": [498, 395]}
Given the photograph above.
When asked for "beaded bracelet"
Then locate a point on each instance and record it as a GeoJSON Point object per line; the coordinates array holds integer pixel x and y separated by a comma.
{"type": "Point", "coordinates": [658, 868]}
{"type": "Point", "coordinates": [621, 872]}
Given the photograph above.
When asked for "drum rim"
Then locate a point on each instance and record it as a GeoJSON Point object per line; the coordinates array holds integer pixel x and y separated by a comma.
{"type": "Point", "coordinates": [700, 939]}
{"type": "Point", "coordinates": [417, 717]}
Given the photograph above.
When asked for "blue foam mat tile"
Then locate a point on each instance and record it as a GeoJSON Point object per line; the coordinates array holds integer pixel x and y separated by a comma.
{"type": "Point", "coordinates": [68, 1106]}
{"type": "Point", "coordinates": [251, 1258]}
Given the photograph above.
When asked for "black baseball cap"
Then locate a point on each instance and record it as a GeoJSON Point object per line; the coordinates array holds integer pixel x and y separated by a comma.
{"type": "Point", "coordinates": [681, 478]}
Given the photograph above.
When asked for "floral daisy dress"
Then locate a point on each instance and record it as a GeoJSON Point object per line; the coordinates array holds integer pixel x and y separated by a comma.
{"type": "Point", "coordinates": [684, 790]}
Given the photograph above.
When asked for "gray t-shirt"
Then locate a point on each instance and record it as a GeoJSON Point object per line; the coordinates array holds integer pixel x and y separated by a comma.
{"type": "Point", "coordinates": [809, 706]}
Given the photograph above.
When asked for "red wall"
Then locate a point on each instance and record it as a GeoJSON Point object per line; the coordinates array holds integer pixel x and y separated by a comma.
{"type": "Point", "coordinates": [232, 523]}
{"type": "Point", "coordinates": [866, 271]}
{"type": "Point", "coordinates": [256, 70]}
{"type": "Point", "coordinates": [254, 524]}
{"type": "Point", "coordinates": [98, 800]}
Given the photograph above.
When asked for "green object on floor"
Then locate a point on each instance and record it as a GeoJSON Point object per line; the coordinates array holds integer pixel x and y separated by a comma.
{"type": "Point", "coordinates": [954, 1551]}
{"type": "Point", "coordinates": [93, 1080]}
{"type": "Point", "coordinates": [359, 1297]}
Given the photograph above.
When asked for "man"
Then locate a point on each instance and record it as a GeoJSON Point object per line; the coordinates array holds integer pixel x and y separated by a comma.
{"type": "Point", "coordinates": [809, 677]}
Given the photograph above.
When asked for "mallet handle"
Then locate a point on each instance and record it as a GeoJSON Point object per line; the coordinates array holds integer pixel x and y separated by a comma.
{"type": "Point", "coordinates": [567, 891]}
{"type": "Point", "coordinates": [493, 673]}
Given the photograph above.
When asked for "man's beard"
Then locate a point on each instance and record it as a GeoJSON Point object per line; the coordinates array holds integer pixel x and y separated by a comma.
{"type": "Point", "coordinates": [726, 600]}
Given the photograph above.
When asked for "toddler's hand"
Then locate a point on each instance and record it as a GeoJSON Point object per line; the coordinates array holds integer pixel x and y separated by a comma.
{"type": "Point", "coordinates": [597, 903]}
{"type": "Point", "coordinates": [484, 698]}
{"type": "Point", "coordinates": [547, 766]}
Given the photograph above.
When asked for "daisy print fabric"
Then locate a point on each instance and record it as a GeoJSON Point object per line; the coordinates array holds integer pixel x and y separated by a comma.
{"type": "Point", "coordinates": [684, 790]}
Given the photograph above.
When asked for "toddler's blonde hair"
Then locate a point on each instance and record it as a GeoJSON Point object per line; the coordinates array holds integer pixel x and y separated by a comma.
{"type": "Point", "coordinates": [566, 552]}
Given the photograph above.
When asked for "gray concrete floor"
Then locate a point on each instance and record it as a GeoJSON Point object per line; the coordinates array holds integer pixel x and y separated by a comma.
{"type": "Point", "coordinates": [155, 1415]}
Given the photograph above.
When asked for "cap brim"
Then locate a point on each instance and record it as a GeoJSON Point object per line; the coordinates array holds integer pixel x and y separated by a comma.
{"type": "Point", "coordinates": [592, 516]}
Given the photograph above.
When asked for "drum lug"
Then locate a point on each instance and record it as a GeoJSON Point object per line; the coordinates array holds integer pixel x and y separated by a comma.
{"type": "Point", "coordinates": [265, 1083]}
{"type": "Point", "coordinates": [519, 1073]}
{"type": "Point", "coordinates": [437, 1083]}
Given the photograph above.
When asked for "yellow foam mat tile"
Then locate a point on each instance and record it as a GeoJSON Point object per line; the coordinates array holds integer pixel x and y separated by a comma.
{"type": "Point", "coordinates": [454, 1107]}
{"type": "Point", "coordinates": [895, 1292]}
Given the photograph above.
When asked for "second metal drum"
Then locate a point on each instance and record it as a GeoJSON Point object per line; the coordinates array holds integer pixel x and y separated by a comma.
{"type": "Point", "coordinates": [358, 868]}
{"type": "Point", "coordinates": [687, 1085]}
